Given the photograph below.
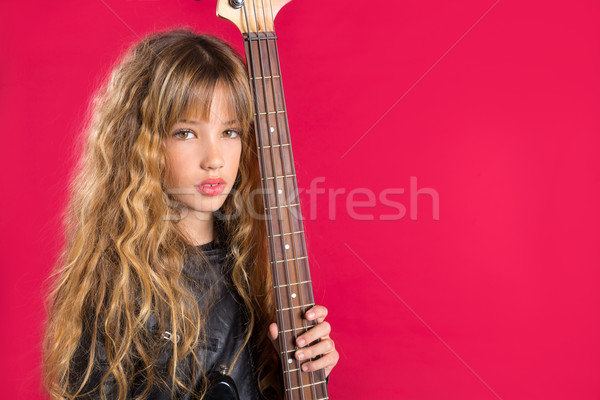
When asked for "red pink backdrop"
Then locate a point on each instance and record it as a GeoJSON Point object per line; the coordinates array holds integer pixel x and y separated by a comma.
{"type": "Point", "coordinates": [448, 158]}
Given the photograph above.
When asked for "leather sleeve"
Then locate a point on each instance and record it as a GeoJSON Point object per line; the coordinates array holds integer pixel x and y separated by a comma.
{"type": "Point", "coordinates": [91, 389]}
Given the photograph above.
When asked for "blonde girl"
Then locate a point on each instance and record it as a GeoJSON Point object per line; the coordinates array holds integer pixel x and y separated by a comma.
{"type": "Point", "coordinates": [164, 279]}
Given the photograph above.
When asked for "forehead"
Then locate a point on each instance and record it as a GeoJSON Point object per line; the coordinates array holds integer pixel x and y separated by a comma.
{"type": "Point", "coordinates": [220, 104]}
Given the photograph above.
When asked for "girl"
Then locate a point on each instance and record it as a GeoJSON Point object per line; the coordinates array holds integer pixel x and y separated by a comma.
{"type": "Point", "coordinates": [164, 278]}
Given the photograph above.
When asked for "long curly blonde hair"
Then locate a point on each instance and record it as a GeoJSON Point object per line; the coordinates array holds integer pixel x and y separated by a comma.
{"type": "Point", "coordinates": [123, 254]}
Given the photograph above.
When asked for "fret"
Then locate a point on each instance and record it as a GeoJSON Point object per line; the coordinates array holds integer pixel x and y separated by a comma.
{"type": "Point", "coordinates": [272, 37]}
{"type": "Point", "coordinates": [292, 351]}
{"type": "Point", "coordinates": [285, 234]}
{"type": "Point", "coordinates": [277, 177]}
{"type": "Point", "coordinates": [289, 259]}
{"type": "Point", "coordinates": [293, 308]}
{"type": "Point", "coordinates": [307, 384]}
{"type": "Point", "coordinates": [282, 206]}
{"type": "Point", "coordinates": [295, 330]}
{"type": "Point", "coordinates": [290, 284]}
{"type": "Point", "coordinates": [275, 145]}
{"type": "Point", "coordinates": [266, 77]}
{"type": "Point", "coordinates": [270, 112]}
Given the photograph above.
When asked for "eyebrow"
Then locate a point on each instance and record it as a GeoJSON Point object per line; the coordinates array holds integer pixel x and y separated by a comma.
{"type": "Point", "coordinates": [191, 121]}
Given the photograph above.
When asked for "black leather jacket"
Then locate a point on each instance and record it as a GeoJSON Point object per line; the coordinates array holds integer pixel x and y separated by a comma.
{"type": "Point", "coordinates": [224, 330]}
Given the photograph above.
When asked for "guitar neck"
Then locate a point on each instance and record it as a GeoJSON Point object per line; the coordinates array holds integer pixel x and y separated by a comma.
{"type": "Point", "coordinates": [287, 246]}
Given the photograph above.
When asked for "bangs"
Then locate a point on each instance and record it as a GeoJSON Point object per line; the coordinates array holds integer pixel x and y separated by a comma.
{"type": "Point", "coordinates": [196, 101]}
{"type": "Point", "coordinates": [192, 93]}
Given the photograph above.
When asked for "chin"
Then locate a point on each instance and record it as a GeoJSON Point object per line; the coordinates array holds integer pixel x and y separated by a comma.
{"type": "Point", "coordinates": [210, 205]}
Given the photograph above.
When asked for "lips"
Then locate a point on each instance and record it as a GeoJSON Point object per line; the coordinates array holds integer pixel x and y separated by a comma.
{"type": "Point", "coordinates": [211, 187]}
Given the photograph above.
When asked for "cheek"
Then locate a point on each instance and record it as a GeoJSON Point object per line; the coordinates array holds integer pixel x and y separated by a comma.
{"type": "Point", "coordinates": [238, 158]}
{"type": "Point", "coordinates": [170, 180]}
{"type": "Point", "coordinates": [234, 157]}
{"type": "Point", "coordinates": [174, 168]}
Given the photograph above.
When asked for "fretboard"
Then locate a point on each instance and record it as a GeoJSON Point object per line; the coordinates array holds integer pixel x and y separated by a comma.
{"type": "Point", "coordinates": [287, 246]}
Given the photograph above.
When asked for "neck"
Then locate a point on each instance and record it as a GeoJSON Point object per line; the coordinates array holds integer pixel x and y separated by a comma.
{"type": "Point", "coordinates": [198, 227]}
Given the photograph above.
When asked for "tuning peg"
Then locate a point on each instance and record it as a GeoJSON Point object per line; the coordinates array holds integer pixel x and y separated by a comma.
{"type": "Point", "coordinates": [236, 3]}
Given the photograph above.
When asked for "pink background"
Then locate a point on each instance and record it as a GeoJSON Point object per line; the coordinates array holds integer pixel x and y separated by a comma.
{"type": "Point", "coordinates": [493, 106]}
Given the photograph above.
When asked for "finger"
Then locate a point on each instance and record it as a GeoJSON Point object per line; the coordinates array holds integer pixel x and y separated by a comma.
{"type": "Point", "coordinates": [327, 362]}
{"type": "Point", "coordinates": [273, 331]}
{"type": "Point", "coordinates": [318, 331]}
{"type": "Point", "coordinates": [317, 349]}
{"type": "Point", "coordinates": [317, 312]}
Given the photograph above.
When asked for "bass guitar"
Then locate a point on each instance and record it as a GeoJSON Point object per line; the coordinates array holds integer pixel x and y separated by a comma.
{"type": "Point", "coordinates": [285, 232]}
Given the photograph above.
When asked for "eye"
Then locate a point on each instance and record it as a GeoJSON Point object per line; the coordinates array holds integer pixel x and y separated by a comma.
{"type": "Point", "coordinates": [231, 133]}
{"type": "Point", "coordinates": [184, 134]}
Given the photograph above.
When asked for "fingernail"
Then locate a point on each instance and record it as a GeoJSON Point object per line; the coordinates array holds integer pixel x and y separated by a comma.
{"type": "Point", "coordinates": [300, 356]}
{"type": "Point", "coordinates": [310, 315]}
{"type": "Point", "coordinates": [301, 342]}
{"type": "Point", "coordinates": [305, 367]}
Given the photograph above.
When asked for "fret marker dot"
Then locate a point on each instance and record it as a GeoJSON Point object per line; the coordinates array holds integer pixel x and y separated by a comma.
{"type": "Point", "coordinates": [287, 246]}
{"type": "Point", "coordinates": [289, 360]}
{"type": "Point", "coordinates": [272, 129]}
{"type": "Point", "coordinates": [279, 191]}
{"type": "Point", "coordinates": [293, 295]}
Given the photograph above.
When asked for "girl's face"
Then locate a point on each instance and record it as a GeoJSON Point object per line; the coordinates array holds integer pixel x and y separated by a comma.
{"type": "Point", "coordinates": [200, 150]}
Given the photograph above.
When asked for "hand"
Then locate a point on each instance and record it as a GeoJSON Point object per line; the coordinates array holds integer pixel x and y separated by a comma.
{"type": "Point", "coordinates": [324, 347]}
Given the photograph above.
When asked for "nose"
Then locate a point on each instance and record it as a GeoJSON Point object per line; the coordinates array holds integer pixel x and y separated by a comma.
{"type": "Point", "coordinates": [212, 157]}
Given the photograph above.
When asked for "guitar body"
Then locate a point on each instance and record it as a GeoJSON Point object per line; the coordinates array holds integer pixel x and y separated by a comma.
{"type": "Point", "coordinates": [222, 388]}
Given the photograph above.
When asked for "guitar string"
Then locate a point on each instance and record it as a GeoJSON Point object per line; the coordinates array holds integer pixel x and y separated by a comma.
{"type": "Point", "coordinates": [274, 167]}
{"type": "Point", "coordinates": [321, 372]}
{"type": "Point", "coordinates": [293, 221]}
{"type": "Point", "coordinates": [304, 262]}
{"type": "Point", "coordinates": [251, 66]}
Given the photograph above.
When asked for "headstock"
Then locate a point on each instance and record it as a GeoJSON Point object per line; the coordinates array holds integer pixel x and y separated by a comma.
{"type": "Point", "coordinates": [251, 16]}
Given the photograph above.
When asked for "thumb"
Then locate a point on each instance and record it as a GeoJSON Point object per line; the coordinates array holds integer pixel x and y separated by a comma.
{"type": "Point", "coordinates": [273, 332]}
